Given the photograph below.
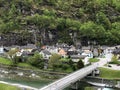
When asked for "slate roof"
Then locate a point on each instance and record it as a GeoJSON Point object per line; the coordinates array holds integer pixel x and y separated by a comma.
{"type": "Point", "coordinates": [78, 56]}
{"type": "Point", "coordinates": [116, 51]}
{"type": "Point", "coordinates": [46, 52]}
{"type": "Point", "coordinates": [72, 53]}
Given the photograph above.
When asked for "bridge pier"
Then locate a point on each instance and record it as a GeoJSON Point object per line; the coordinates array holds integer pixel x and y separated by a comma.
{"type": "Point", "coordinates": [95, 72]}
{"type": "Point", "coordinates": [75, 85]}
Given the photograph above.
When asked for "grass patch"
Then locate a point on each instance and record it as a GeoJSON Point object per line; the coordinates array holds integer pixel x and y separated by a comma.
{"type": "Point", "coordinates": [89, 88]}
{"type": "Point", "coordinates": [109, 74]}
{"type": "Point", "coordinates": [24, 65]}
{"type": "Point", "coordinates": [5, 61]}
{"type": "Point", "coordinates": [65, 59]}
{"type": "Point", "coordinates": [8, 87]}
{"type": "Point", "coordinates": [8, 62]}
{"type": "Point", "coordinates": [91, 60]}
{"type": "Point", "coordinates": [114, 60]}
{"type": "Point", "coordinates": [27, 66]}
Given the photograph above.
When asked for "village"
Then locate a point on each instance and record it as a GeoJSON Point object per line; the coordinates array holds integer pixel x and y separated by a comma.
{"type": "Point", "coordinates": [55, 61]}
{"type": "Point", "coordinates": [63, 50]}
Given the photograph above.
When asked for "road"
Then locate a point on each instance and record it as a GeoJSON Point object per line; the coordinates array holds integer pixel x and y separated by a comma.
{"type": "Point", "coordinates": [105, 60]}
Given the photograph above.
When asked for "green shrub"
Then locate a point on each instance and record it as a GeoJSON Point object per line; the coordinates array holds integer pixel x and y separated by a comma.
{"type": "Point", "coordinates": [65, 66]}
{"type": "Point", "coordinates": [114, 62]}
{"type": "Point", "coordinates": [80, 64]}
{"type": "Point", "coordinates": [36, 60]}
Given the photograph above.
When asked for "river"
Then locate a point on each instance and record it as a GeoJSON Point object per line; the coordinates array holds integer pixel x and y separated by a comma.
{"type": "Point", "coordinates": [40, 84]}
{"type": "Point", "coordinates": [85, 86]}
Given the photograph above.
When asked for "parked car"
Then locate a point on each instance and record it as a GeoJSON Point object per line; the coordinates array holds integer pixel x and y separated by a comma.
{"type": "Point", "coordinates": [109, 65]}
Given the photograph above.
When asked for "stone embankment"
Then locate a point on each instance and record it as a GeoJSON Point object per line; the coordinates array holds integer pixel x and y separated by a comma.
{"type": "Point", "coordinates": [21, 73]}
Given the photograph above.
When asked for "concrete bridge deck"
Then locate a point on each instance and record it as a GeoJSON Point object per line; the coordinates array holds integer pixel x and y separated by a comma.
{"type": "Point", "coordinates": [71, 78]}
{"type": "Point", "coordinates": [76, 76]}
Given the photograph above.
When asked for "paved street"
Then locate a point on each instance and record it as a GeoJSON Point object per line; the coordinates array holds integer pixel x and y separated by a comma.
{"type": "Point", "coordinates": [105, 60]}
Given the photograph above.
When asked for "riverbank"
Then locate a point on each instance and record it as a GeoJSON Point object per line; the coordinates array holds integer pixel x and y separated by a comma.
{"type": "Point", "coordinates": [13, 72]}
{"type": "Point", "coordinates": [109, 73]}
{"type": "Point", "coordinates": [27, 78]}
{"type": "Point", "coordinates": [14, 86]}
{"type": "Point", "coordinates": [5, 86]}
{"type": "Point", "coordinates": [26, 83]}
{"type": "Point", "coordinates": [101, 82]}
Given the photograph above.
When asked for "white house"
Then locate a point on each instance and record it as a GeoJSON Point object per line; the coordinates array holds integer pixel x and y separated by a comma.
{"type": "Point", "coordinates": [18, 54]}
{"type": "Point", "coordinates": [52, 49]}
{"type": "Point", "coordinates": [88, 53]}
{"type": "Point", "coordinates": [1, 50]}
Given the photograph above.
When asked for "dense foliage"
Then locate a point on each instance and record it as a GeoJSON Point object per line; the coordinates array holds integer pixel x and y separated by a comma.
{"type": "Point", "coordinates": [97, 20]}
{"type": "Point", "coordinates": [36, 60]}
{"type": "Point", "coordinates": [56, 63]}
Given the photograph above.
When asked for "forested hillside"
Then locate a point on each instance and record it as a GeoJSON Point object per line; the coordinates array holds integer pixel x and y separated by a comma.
{"type": "Point", "coordinates": [51, 21]}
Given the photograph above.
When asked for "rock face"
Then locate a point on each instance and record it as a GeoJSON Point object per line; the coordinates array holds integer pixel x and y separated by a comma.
{"type": "Point", "coordinates": [15, 39]}
{"type": "Point", "coordinates": [23, 38]}
{"type": "Point", "coordinates": [92, 20]}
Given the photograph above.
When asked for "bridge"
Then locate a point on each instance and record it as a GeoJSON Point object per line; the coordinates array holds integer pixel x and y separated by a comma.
{"type": "Point", "coordinates": [70, 79]}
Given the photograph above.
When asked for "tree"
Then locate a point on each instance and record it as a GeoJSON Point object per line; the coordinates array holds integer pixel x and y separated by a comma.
{"type": "Point", "coordinates": [54, 61]}
{"type": "Point", "coordinates": [72, 65]}
{"type": "Point", "coordinates": [36, 60]}
{"type": "Point", "coordinates": [116, 4]}
{"type": "Point", "coordinates": [80, 64]}
{"type": "Point", "coordinates": [12, 56]}
{"type": "Point", "coordinates": [51, 2]}
{"type": "Point", "coordinates": [113, 35]}
{"type": "Point", "coordinates": [116, 25]}
{"type": "Point", "coordinates": [72, 24]}
{"type": "Point", "coordinates": [90, 30]}
{"type": "Point", "coordinates": [102, 19]}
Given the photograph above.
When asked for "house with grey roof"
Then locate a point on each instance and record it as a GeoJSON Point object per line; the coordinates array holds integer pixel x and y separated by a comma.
{"type": "Point", "coordinates": [46, 54]}
{"type": "Point", "coordinates": [76, 58]}
{"type": "Point", "coordinates": [116, 51]}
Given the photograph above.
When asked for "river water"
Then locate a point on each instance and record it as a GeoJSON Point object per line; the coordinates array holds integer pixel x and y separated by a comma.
{"type": "Point", "coordinates": [42, 83]}
{"type": "Point", "coordinates": [86, 86]}
{"type": "Point", "coordinates": [31, 83]}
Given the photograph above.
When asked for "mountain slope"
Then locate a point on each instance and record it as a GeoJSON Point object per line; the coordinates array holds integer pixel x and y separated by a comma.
{"type": "Point", "coordinates": [68, 21]}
